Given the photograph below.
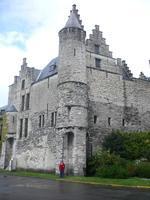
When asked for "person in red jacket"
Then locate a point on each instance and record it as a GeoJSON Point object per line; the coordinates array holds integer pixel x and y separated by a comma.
{"type": "Point", "coordinates": [62, 169]}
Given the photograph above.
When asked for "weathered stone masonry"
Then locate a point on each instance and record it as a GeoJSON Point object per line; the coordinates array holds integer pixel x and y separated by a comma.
{"type": "Point", "coordinates": [65, 110]}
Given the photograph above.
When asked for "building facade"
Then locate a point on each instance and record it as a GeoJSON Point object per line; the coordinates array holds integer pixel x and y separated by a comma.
{"type": "Point", "coordinates": [65, 110]}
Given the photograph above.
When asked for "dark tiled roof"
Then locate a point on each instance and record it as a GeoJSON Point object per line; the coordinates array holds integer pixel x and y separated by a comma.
{"type": "Point", "coordinates": [8, 108]}
{"type": "Point", "coordinates": [73, 21]}
{"type": "Point", "coordinates": [49, 70]}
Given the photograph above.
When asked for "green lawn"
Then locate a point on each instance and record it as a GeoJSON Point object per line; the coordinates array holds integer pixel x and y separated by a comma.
{"type": "Point", "coordinates": [131, 182]}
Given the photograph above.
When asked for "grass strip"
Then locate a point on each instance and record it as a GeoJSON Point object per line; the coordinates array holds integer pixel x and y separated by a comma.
{"type": "Point", "coordinates": [130, 182]}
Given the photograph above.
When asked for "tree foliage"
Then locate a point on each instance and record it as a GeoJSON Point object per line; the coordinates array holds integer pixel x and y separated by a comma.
{"type": "Point", "coordinates": [129, 145]}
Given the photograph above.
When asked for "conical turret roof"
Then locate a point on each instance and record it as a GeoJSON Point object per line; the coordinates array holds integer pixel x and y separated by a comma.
{"type": "Point", "coordinates": [74, 20]}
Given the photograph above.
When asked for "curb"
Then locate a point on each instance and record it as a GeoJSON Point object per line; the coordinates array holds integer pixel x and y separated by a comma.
{"type": "Point", "coordinates": [107, 185]}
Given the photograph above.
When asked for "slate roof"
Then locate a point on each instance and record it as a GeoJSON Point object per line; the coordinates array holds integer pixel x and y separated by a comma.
{"type": "Point", "coordinates": [73, 21]}
{"type": "Point", "coordinates": [50, 69]}
{"type": "Point", "coordinates": [8, 108]}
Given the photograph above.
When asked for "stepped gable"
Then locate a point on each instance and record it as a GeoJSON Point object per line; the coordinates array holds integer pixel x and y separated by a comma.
{"type": "Point", "coordinates": [126, 71]}
{"type": "Point", "coordinates": [96, 38]}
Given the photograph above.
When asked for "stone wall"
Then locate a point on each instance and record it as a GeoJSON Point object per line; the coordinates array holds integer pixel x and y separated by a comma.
{"type": "Point", "coordinates": [37, 151]}
{"type": "Point", "coordinates": [116, 104]}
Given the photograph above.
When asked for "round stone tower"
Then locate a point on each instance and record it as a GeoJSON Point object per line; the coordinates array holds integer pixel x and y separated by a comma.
{"type": "Point", "coordinates": [71, 125]}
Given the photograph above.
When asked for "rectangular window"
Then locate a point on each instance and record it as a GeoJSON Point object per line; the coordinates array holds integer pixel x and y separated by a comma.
{"type": "Point", "coordinates": [22, 102]}
{"type": "Point", "coordinates": [43, 120]}
{"type": "Point", "coordinates": [97, 62]}
{"type": "Point", "coordinates": [23, 84]}
{"type": "Point", "coordinates": [53, 119]}
{"type": "Point", "coordinates": [47, 110]}
{"type": "Point", "coordinates": [97, 49]}
{"type": "Point", "coordinates": [26, 128]}
{"type": "Point", "coordinates": [27, 101]}
{"type": "Point", "coordinates": [109, 121]}
{"type": "Point", "coordinates": [95, 119]}
{"type": "Point", "coordinates": [21, 128]}
{"type": "Point", "coordinates": [13, 119]}
{"type": "Point", "coordinates": [40, 121]}
{"type": "Point", "coordinates": [123, 122]}
{"type": "Point", "coordinates": [74, 52]}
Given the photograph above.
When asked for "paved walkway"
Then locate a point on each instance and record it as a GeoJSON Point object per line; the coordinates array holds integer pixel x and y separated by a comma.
{"type": "Point", "coordinates": [26, 188]}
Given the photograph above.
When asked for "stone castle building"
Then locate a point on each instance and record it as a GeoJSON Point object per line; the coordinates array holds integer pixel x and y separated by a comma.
{"type": "Point", "coordinates": [65, 110]}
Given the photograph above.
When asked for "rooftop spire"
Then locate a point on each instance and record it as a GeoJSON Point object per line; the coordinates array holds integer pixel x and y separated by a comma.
{"type": "Point", "coordinates": [74, 20]}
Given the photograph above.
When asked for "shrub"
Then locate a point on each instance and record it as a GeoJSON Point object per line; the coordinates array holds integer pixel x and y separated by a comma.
{"type": "Point", "coordinates": [112, 171]}
{"type": "Point", "coordinates": [143, 169]}
{"type": "Point", "coordinates": [102, 159]}
{"type": "Point", "coordinates": [131, 168]}
{"type": "Point", "coordinates": [131, 146]}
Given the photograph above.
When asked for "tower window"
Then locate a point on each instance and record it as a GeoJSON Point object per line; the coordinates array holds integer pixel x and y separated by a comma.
{"type": "Point", "coordinates": [123, 122]}
{"type": "Point", "coordinates": [95, 119]}
{"type": "Point", "coordinates": [109, 121]}
{"type": "Point", "coordinates": [74, 52]}
{"type": "Point", "coordinates": [97, 49]}
{"type": "Point", "coordinates": [97, 62]}
{"type": "Point", "coordinates": [23, 85]}
{"type": "Point", "coordinates": [53, 119]}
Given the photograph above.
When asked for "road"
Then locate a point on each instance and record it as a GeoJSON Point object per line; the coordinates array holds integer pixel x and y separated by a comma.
{"type": "Point", "coordinates": [27, 188]}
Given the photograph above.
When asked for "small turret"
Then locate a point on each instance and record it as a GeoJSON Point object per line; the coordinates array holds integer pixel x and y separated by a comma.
{"type": "Point", "coordinates": [24, 63]}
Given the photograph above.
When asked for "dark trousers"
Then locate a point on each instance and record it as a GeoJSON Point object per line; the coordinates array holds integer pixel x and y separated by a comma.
{"type": "Point", "coordinates": [61, 173]}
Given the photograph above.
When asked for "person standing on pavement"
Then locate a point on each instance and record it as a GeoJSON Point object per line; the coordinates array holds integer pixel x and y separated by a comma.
{"type": "Point", "coordinates": [61, 169]}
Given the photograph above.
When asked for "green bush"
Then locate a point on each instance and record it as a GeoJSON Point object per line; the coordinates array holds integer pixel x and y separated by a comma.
{"type": "Point", "coordinates": [131, 146]}
{"type": "Point", "coordinates": [102, 159]}
{"type": "Point", "coordinates": [112, 171]}
{"type": "Point", "coordinates": [131, 168]}
{"type": "Point", "coordinates": [143, 169]}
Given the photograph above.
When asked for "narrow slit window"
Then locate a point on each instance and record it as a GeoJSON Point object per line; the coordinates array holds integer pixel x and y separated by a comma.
{"type": "Point", "coordinates": [43, 120]}
{"type": "Point", "coordinates": [95, 119]}
{"type": "Point", "coordinates": [74, 52]}
{"type": "Point", "coordinates": [26, 128]}
{"type": "Point", "coordinates": [109, 121]}
{"type": "Point", "coordinates": [40, 121]}
{"type": "Point", "coordinates": [47, 110]}
{"type": "Point", "coordinates": [21, 128]}
{"type": "Point", "coordinates": [52, 119]}
{"type": "Point", "coordinates": [23, 84]}
{"type": "Point", "coordinates": [22, 102]}
{"type": "Point", "coordinates": [27, 101]}
{"type": "Point", "coordinates": [13, 119]}
{"type": "Point", "coordinates": [123, 122]}
{"type": "Point", "coordinates": [55, 118]}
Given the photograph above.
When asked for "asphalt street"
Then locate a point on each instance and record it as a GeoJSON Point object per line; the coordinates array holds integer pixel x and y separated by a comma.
{"type": "Point", "coordinates": [27, 188]}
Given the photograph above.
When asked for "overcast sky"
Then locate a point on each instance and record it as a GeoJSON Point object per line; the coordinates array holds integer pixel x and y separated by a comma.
{"type": "Point", "coordinates": [29, 28]}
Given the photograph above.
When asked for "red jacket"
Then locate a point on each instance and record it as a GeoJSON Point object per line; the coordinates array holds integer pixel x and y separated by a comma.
{"type": "Point", "coordinates": [61, 166]}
